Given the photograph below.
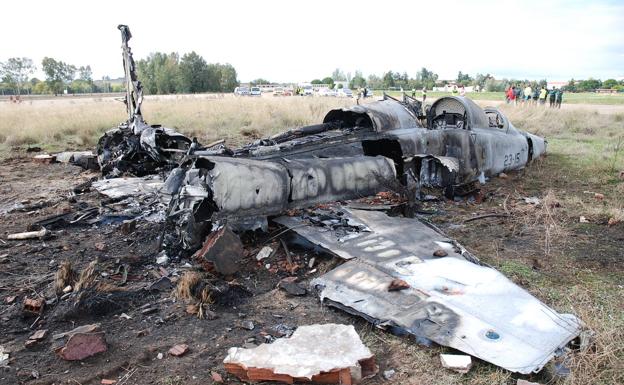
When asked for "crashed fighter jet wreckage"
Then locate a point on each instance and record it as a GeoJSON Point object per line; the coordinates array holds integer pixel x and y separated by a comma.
{"type": "Point", "coordinates": [450, 297]}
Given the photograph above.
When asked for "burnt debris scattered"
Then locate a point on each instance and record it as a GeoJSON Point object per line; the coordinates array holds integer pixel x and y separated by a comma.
{"type": "Point", "coordinates": [324, 187]}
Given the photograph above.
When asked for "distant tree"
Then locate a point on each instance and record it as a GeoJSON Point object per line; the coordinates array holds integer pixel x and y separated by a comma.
{"type": "Point", "coordinates": [228, 79]}
{"type": "Point", "coordinates": [388, 80]}
{"type": "Point", "coordinates": [464, 79]}
{"type": "Point", "coordinates": [328, 80]}
{"type": "Point", "coordinates": [57, 73]}
{"type": "Point", "coordinates": [159, 73]}
{"type": "Point", "coordinates": [493, 85]}
{"type": "Point", "coordinates": [609, 83]}
{"type": "Point", "coordinates": [426, 78]}
{"type": "Point", "coordinates": [261, 81]}
{"type": "Point", "coordinates": [316, 81]}
{"type": "Point", "coordinates": [374, 82]}
{"type": "Point", "coordinates": [15, 72]}
{"type": "Point", "coordinates": [481, 79]}
{"type": "Point", "coordinates": [85, 74]}
{"type": "Point", "coordinates": [358, 80]}
{"type": "Point", "coordinates": [338, 75]}
{"type": "Point", "coordinates": [192, 73]}
{"type": "Point", "coordinates": [570, 87]}
{"type": "Point", "coordinates": [589, 85]}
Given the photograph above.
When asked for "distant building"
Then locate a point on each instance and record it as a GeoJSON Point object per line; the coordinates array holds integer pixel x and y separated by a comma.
{"type": "Point", "coordinates": [606, 91]}
{"type": "Point", "coordinates": [557, 85]}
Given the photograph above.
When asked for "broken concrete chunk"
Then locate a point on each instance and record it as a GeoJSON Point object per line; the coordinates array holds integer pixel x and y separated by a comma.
{"type": "Point", "coordinates": [178, 350]}
{"type": "Point", "coordinates": [460, 363]}
{"type": "Point", "coordinates": [264, 253]}
{"type": "Point", "coordinates": [33, 306]}
{"type": "Point", "coordinates": [216, 377]}
{"type": "Point", "coordinates": [44, 158]}
{"type": "Point", "coordinates": [398, 284]}
{"type": "Point", "coordinates": [221, 251]}
{"type": "Point", "coordinates": [248, 325]}
{"type": "Point", "coordinates": [38, 335]}
{"type": "Point", "coordinates": [83, 345]}
{"type": "Point", "coordinates": [329, 354]}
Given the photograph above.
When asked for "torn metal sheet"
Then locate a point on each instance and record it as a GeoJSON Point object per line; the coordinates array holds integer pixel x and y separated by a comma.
{"type": "Point", "coordinates": [452, 300]}
{"type": "Point", "coordinates": [328, 354]}
{"type": "Point", "coordinates": [383, 239]}
{"type": "Point", "coordinates": [128, 187]}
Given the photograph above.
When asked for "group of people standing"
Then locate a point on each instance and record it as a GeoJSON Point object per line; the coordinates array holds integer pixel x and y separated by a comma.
{"type": "Point", "coordinates": [530, 95]}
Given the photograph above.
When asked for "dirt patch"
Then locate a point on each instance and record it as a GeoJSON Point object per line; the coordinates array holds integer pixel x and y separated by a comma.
{"type": "Point", "coordinates": [139, 323]}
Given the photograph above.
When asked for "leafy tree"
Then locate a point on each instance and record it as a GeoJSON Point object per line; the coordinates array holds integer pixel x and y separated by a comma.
{"type": "Point", "coordinates": [159, 73]}
{"type": "Point", "coordinates": [16, 70]}
{"type": "Point", "coordinates": [85, 74]}
{"type": "Point", "coordinates": [228, 79]}
{"type": "Point", "coordinates": [192, 73]}
{"type": "Point", "coordinates": [358, 80]}
{"type": "Point", "coordinates": [57, 73]}
{"type": "Point", "coordinates": [589, 85]}
{"type": "Point", "coordinates": [261, 81]}
{"type": "Point", "coordinates": [374, 81]}
{"type": "Point", "coordinates": [338, 75]}
{"type": "Point", "coordinates": [464, 79]}
{"type": "Point", "coordinates": [388, 79]}
{"type": "Point", "coordinates": [328, 80]}
{"type": "Point", "coordinates": [426, 78]}
{"type": "Point", "coordinates": [571, 86]}
{"type": "Point", "coordinates": [610, 83]}
{"type": "Point", "coordinates": [316, 81]}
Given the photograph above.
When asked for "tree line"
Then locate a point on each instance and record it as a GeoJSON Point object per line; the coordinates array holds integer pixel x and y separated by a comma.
{"type": "Point", "coordinates": [160, 73]}
{"type": "Point", "coordinates": [392, 80]}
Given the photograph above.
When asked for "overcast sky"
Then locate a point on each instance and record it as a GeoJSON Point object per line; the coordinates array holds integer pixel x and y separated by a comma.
{"type": "Point", "coordinates": [302, 40]}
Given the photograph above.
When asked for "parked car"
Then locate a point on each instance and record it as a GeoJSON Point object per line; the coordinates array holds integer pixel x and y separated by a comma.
{"type": "Point", "coordinates": [240, 91]}
{"type": "Point", "coordinates": [288, 92]}
{"type": "Point", "coordinates": [255, 91]}
{"type": "Point", "coordinates": [344, 93]}
{"type": "Point", "coordinates": [307, 91]}
{"type": "Point", "coordinates": [326, 92]}
{"type": "Point", "coordinates": [278, 91]}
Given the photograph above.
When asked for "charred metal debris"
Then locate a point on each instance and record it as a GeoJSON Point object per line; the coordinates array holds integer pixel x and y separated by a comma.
{"type": "Point", "coordinates": [400, 273]}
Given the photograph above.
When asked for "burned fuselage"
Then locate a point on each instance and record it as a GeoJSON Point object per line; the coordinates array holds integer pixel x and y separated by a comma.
{"type": "Point", "coordinates": [356, 152]}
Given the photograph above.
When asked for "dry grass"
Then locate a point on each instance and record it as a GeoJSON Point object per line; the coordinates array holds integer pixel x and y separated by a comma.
{"type": "Point", "coordinates": [77, 124]}
{"type": "Point", "coordinates": [64, 277]}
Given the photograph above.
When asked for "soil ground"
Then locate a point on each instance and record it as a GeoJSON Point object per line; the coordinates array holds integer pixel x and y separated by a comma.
{"type": "Point", "coordinates": [543, 248]}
